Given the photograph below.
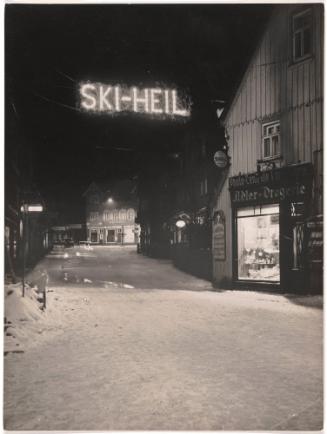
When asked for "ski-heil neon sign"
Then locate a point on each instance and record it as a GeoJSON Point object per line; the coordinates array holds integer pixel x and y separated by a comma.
{"type": "Point", "coordinates": [103, 98]}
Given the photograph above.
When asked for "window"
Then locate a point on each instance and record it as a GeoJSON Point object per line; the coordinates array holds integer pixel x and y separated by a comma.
{"type": "Point", "coordinates": [271, 139]}
{"type": "Point", "coordinates": [94, 215]}
{"type": "Point", "coordinates": [302, 35]}
{"type": "Point", "coordinates": [122, 215]}
{"type": "Point", "coordinates": [108, 216]}
{"type": "Point", "coordinates": [131, 214]}
{"type": "Point", "coordinates": [258, 243]}
{"type": "Point", "coordinates": [115, 216]}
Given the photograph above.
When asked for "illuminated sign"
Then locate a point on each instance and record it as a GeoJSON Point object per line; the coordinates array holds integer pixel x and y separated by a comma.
{"type": "Point", "coordinates": [289, 183]}
{"type": "Point", "coordinates": [31, 208]}
{"type": "Point", "coordinates": [104, 98]}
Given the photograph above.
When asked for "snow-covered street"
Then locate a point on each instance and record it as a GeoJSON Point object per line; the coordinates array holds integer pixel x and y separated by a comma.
{"type": "Point", "coordinates": [131, 343]}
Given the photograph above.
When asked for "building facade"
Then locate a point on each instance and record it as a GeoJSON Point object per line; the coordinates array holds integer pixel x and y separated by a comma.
{"type": "Point", "coordinates": [110, 213]}
{"type": "Point", "coordinates": [267, 217]}
{"type": "Point", "coordinates": [27, 234]}
{"type": "Point", "coordinates": [175, 208]}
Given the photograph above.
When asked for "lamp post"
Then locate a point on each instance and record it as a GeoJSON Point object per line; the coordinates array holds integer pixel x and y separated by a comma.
{"type": "Point", "coordinates": [26, 209]}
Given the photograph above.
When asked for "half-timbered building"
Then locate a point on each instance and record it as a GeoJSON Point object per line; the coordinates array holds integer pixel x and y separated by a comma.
{"type": "Point", "coordinates": [267, 220]}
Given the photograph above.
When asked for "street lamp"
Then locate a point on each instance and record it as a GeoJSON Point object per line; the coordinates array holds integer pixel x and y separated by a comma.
{"type": "Point", "coordinates": [180, 224]}
{"type": "Point", "coordinates": [110, 200]}
{"type": "Point", "coordinates": [26, 209]}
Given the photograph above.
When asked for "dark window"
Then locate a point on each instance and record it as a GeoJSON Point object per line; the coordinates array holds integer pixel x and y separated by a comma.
{"type": "Point", "coordinates": [302, 35]}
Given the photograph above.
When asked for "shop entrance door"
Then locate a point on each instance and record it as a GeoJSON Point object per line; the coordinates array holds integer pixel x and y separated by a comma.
{"type": "Point", "coordinates": [293, 259]}
{"type": "Point", "coordinates": [110, 236]}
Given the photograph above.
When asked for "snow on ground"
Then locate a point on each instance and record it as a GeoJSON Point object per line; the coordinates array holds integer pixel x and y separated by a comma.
{"type": "Point", "coordinates": [27, 323]}
{"type": "Point", "coordinates": [120, 358]}
{"type": "Point", "coordinates": [117, 352]}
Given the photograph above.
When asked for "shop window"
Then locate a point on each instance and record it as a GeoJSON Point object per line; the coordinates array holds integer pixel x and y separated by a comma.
{"type": "Point", "coordinates": [302, 35]}
{"type": "Point", "coordinates": [271, 139]}
{"type": "Point", "coordinates": [258, 243]}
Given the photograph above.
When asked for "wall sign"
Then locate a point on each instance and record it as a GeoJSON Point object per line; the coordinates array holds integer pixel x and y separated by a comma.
{"type": "Point", "coordinates": [220, 159]}
{"type": "Point", "coordinates": [114, 99]}
{"type": "Point", "coordinates": [285, 184]}
{"type": "Point", "coordinates": [219, 236]}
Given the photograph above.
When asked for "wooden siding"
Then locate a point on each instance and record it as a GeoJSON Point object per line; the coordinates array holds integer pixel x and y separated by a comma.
{"type": "Point", "coordinates": [274, 89]}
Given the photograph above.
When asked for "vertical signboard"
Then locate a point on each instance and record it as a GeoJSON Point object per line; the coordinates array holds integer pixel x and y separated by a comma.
{"type": "Point", "coordinates": [219, 236]}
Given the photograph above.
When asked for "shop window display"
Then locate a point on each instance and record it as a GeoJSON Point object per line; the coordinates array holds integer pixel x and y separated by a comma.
{"type": "Point", "coordinates": [258, 243]}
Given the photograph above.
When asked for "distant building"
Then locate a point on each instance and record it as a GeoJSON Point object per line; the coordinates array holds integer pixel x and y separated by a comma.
{"type": "Point", "coordinates": [70, 232]}
{"type": "Point", "coordinates": [110, 213]}
{"type": "Point", "coordinates": [267, 220]}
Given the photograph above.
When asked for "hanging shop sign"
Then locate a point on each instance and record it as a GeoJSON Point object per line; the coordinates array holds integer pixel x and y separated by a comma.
{"type": "Point", "coordinates": [221, 160]}
{"type": "Point", "coordinates": [290, 183]}
{"type": "Point", "coordinates": [219, 236]}
{"type": "Point", "coordinates": [114, 99]}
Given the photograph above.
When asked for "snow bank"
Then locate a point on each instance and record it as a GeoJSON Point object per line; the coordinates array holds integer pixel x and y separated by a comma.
{"type": "Point", "coordinates": [21, 315]}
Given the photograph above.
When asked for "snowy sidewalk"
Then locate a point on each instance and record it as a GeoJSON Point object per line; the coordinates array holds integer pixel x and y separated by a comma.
{"type": "Point", "coordinates": [121, 358]}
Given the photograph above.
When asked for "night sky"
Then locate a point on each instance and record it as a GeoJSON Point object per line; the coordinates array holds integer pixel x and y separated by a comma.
{"type": "Point", "coordinates": [200, 49]}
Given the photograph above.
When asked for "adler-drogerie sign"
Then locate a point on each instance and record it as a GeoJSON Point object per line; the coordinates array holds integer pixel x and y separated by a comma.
{"type": "Point", "coordinates": [114, 99]}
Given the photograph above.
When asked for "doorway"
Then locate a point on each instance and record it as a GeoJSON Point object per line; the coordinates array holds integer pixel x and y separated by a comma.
{"type": "Point", "coordinates": [110, 236]}
{"type": "Point", "coordinates": [94, 236]}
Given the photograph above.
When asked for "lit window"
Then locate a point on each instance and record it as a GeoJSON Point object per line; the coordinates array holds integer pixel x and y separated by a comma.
{"type": "Point", "coordinates": [94, 215]}
{"type": "Point", "coordinates": [271, 139]}
{"type": "Point", "coordinates": [122, 215]}
{"type": "Point", "coordinates": [108, 216]}
{"type": "Point", "coordinates": [130, 214]}
{"type": "Point", "coordinates": [302, 35]}
{"type": "Point", "coordinates": [257, 233]}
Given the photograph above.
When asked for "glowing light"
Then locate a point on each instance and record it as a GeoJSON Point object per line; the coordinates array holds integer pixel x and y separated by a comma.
{"type": "Point", "coordinates": [166, 101]}
{"type": "Point", "coordinates": [154, 100]}
{"type": "Point", "coordinates": [88, 105]}
{"type": "Point", "coordinates": [31, 208]}
{"type": "Point", "coordinates": [117, 98]}
{"type": "Point", "coordinates": [110, 200]}
{"type": "Point", "coordinates": [104, 98]}
{"type": "Point", "coordinates": [177, 111]}
{"type": "Point", "coordinates": [180, 224]}
{"type": "Point", "coordinates": [137, 100]}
